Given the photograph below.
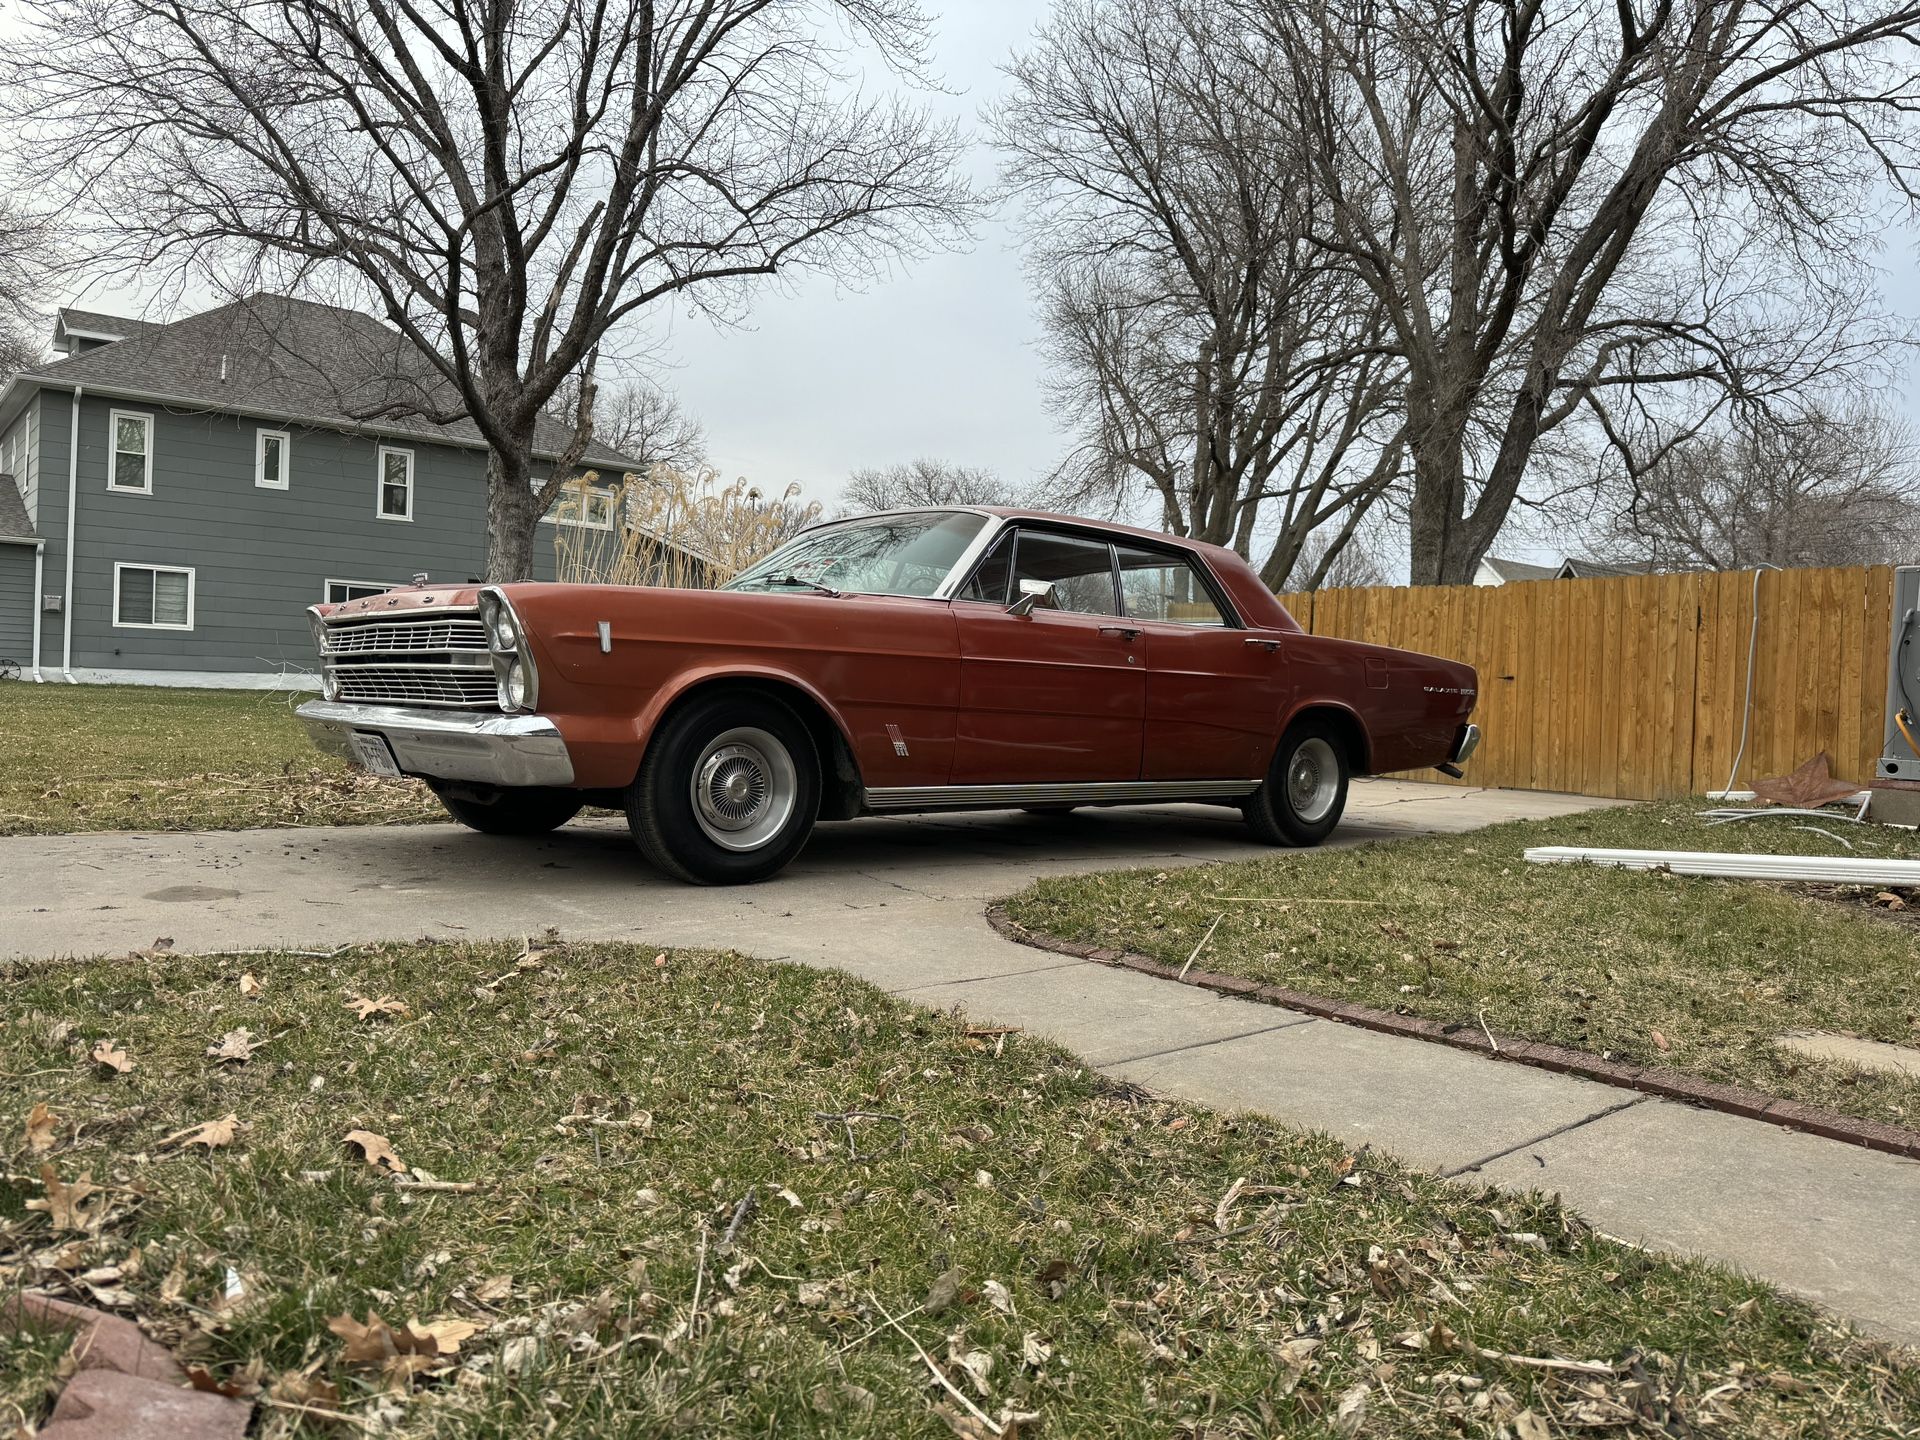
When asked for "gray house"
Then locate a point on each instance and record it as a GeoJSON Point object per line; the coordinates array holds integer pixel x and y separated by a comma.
{"type": "Point", "coordinates": [173, 497]}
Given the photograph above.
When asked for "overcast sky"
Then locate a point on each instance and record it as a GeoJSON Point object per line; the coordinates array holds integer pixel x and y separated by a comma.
{"type": "Point", "coordinates": [938, 360]}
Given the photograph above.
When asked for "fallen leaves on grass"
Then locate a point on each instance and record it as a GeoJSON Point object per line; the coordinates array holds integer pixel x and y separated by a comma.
{"type": "Point", "coordinates": [1807, 788]}
{"type": "Point", "coordinates": [106, 1054]}
{"type": "Point", "coordinates": [250, 986]}
{"type": "Point", "coordinates": [66, 1205]}
{"type": "Point", "coordinates": [377, 1151]}
{"type": "Point", "coordinates": [235, 1047]}
{"type": "Point", "coordinates": [42, 1124]}
{"type": "Point", "coordinates": [160, 947]}
{"type": "Point", "coordinates": [373, 1009]}
{"type": "Point", "coordinates": [399, 1354]}
{"type": "Point", "coordinates": [209, 1134]}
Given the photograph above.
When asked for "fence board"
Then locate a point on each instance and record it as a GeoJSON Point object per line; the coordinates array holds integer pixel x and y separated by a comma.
{"type": "Point", "coordinates": [1633, 688]}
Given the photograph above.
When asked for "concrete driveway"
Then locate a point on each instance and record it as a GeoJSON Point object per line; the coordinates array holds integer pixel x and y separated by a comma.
{"type": "Point", "coordinates": [899, 902]}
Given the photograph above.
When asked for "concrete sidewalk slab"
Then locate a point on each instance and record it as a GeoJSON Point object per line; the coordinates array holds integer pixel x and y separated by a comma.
{"type": "Point", "coordinates": [1837, 1223]}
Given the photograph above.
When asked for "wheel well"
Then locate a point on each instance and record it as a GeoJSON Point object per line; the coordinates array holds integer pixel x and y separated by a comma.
{"type": "Point", "coordinates": [1347, 725]}
{"type": "Point", "coordinates": [840, 786]}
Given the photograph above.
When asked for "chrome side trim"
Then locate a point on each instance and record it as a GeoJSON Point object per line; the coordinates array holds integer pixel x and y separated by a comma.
{"type": "Point", "coordinates": [1074, 792]}
{"type": "Point", "coordinates": [486, 749]}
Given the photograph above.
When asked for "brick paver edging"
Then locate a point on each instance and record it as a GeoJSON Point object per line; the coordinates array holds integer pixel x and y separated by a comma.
{"type": "Point", "coordinates": [1669, 1084]}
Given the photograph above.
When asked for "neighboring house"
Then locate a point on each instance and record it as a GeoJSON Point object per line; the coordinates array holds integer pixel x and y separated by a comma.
{"type": "Point", "coordinates": [1495, 571]}
{"type": "Point", "coordinates": [173, 497]}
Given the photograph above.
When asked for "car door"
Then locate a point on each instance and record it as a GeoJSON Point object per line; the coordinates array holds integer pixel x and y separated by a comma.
{"type": "Point", "coordinates": [1214, 690]}
{"type": "Point", "coordinates": [1056, 695]}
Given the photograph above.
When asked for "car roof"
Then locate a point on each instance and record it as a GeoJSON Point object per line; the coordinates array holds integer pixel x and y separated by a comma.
{"type": "Point", "coordinates": [1050, 517]}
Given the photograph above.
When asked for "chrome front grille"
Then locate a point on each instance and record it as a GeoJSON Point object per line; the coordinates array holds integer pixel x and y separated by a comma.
{"type": "Point", "coordinates": [398, 637]}
{"type": "Point", "coordinates": [438, 659]}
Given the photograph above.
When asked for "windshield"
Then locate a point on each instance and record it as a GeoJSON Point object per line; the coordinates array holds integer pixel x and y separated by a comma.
{"type": "Point", "coordinates": [888, 555]}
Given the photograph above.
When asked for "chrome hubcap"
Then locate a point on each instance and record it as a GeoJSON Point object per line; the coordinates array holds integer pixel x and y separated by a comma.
{"type": "Point", "coordinates": [744, 786]}
{"type": "Point", "coordinates": [1313, 780]}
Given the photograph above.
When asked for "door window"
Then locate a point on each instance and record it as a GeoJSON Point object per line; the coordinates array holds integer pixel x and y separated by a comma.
{"type": "Point", "coordinates": [1080, 570]}
{"type": "Point", "coordinates": [1159, 586]}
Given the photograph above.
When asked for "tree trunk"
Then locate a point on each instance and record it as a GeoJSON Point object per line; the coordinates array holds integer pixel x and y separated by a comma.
{"type": "Point", "coordinates": [511, 514]}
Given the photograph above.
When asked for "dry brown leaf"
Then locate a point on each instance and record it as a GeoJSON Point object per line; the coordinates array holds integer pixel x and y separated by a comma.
{"type": "Point", "coordinates": [371, 1009]}
{"type": "Point", "coordinates": [66, 1205]}
{"type": "Point", "coordinates": [41, 1125]}
{"type": "Point", "coordinates": [496, 1287]}
{"type": "Point", "coordinates": [104, 1053]}
{"type": "Point", "coordinates": [233, 1388]}
{"type": "Point", "coordinates": [303, 1388]}
{"type": "Point", "coordinates": [213, 1134]}
{"type": "Point", "coordinates": [250, 985]}
{"type": "Point", "coordinates": [399, 1354]}
{"type": "Point", "coordinates": [1528, 1425]}
{"type": "Point", "coordinates": [377, 1151]}
{"type": "Point", "coordinates": [236, 1046]}
{"type": "Point", "coordinates": [1807, 788]}
{"type": "Point", "coordinates": [1661, 1041]}
{"type": "Point", "coordinates": [160, 947]}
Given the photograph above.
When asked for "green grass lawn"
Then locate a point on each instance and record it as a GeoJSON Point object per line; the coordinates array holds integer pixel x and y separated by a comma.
{"type": "Point", "coordinates": [126, 757]}
{"type": "Point", "coordinates": [926, 1200]}
{"type": "Point", "coordinates": [1694, 974]}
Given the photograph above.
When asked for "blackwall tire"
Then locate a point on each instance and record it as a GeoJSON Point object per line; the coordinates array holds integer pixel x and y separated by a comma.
{"type": "Point", "coordinates": [526, 810]}
{"type": "Point", "coordinates": [728, 791]}
{"type": "Point", "coordinates": [1305, 791]}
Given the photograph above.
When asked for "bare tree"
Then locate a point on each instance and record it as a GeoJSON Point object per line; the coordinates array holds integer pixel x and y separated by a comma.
{"type": "Point", "coordinates": [1563, 206]}
{"type": "Point", "coordinates": [1208, 352]}
{"type": "Point", "coordinates": [1353, 562]}
{"type": "Point", "coordinates": [922, 482]}
{"type": "Point", "coordinates": [506, 182]}
{"type": "Point", "coordinates": [1819, 488]}
{"type": "Point", "coordinates": [26, 252]}
{"type": "Point", "coordinates": [642, 420]}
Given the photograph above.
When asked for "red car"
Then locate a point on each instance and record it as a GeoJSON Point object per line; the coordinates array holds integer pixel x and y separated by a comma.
{"type": "Point", "coordinates": [950, 659]}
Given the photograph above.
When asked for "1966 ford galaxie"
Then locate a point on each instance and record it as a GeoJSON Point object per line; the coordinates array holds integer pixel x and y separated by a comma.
{"type": "Point", "coordinates": [920, 660]}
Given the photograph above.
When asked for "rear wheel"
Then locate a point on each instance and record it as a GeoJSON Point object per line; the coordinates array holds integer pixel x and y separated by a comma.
{"type": "Point", "coordinates": [521, 810]}
{"type": "Point", "coordinates": [1306, 790]}
{"type": "Point", "coordinates": [728, 791]}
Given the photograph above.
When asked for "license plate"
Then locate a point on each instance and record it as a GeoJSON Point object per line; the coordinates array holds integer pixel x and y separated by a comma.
{"type": "Point", "coordinates": [374, 755]}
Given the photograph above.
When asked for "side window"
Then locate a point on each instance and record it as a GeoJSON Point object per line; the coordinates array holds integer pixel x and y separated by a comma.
{"type": "Point", "coordinates": [395, 500]}
{"type": "Point", "coordinates": [131, 467]}
{"type": "Point", "coordinates": [1081, 571]}
{"type": "Point", "coordinates": [270, 459]}
{"type": "Point", "coordinates": [993, 574]}
{"type": "Point", "coordinates": [1158, 586]}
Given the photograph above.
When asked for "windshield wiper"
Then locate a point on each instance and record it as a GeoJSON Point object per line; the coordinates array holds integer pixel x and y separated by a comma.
{"type": "Point", "coordinates": [792, 579]}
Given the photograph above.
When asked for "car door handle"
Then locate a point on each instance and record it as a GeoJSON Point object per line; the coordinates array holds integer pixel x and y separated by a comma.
{"type": "Point", "coordinates": [1126, 632]}
{"type": "Point", "coordinates": [1272, 647]}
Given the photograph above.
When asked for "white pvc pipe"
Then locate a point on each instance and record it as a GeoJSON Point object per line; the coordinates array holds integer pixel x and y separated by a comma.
{"type": "Point", "coordinates": [38, 599]}
{"type": "Point", "coordinates": [1828, 869]}
{"type": "Point", "coordinates": [73, 502]}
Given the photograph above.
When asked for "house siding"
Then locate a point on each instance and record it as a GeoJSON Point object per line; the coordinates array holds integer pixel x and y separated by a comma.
{"type": "Point", "coordinates": [260, 556]}
{"type": "Point", "coordinates": [16, 608]}
{"type": "Point", "coordinates": [20, 457]}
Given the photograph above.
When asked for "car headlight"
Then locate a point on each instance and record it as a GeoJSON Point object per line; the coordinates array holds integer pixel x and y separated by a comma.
{"type": "Point", "coordinates": [512, 681]}
{"type": "Point", "coordinates": [501, 629]}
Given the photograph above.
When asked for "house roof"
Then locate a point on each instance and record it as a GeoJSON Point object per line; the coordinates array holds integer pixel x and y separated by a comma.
{"type": "Point", "coordinates": [1512, 570]}
{"type": "Point", "coordinates": [287, 359]}
{"type": "Point", "coordinates": [96, 325]}
{"type": "Point", "coordinates": [1577, 568]}
{"type": "Point", "coordinates": [14, 524]}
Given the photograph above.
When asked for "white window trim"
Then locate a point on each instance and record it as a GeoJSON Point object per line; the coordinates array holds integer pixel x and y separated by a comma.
{"type": "Point", "coordinates": [609, 493]}
{"type": "Point", "coordinates": [114, 417]}
{"type": "Point", "coordinates": [380, 484]}
{"type": "Point", "coordinates": [192, 587]}
{"type": "Point", "coordinates": [260, 481]}
{"type": "Point", "coordinates": [326, 585]}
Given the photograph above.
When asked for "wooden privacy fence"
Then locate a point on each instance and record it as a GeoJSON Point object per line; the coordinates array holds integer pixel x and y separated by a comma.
{"type": "Point", "coordinates": [1633, 688]}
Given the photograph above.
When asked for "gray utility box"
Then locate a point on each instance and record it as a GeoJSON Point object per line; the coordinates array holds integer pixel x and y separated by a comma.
{"type": "Point", "coordinates": [1896, 783]}
{"type": "Point", "coordinates": [1897, 758]}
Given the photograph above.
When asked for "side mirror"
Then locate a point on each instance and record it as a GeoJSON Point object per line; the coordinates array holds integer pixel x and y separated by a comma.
{"type": "Point", "coordinates": [1032, 592]}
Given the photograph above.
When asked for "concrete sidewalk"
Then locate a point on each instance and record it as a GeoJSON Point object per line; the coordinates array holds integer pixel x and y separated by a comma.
{"type": "Point", "coordinates": [899, 902]}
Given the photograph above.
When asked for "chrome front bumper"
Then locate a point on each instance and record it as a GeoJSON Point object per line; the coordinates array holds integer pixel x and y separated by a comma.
{"type": "Point", "coordinates": [1464, 744]}
{"type": "Point", "coordinates": [485, 749]}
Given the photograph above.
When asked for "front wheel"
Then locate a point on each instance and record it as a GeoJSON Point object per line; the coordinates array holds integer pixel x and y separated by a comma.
{"type": "Point", "coordinates": [728, 791]}
{"type": "Point", "coordinates": [518, 810]}
{"type": "Point", "coordinates": [1306, 789]}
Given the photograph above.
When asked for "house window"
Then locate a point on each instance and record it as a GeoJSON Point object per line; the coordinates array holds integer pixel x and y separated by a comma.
{"type": "Point", "coordinates": [271, 450]}
{"type": "Point", "coordinates": [396, 485]}
{"type": "Point", "coordinates": [152, 597]}
{"type": "Point", "coordinates": [132, 462]}
{"type": "Point", "coordinates": [586, 510]}
{"type": "Point", "coordinates": [339, 592]}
